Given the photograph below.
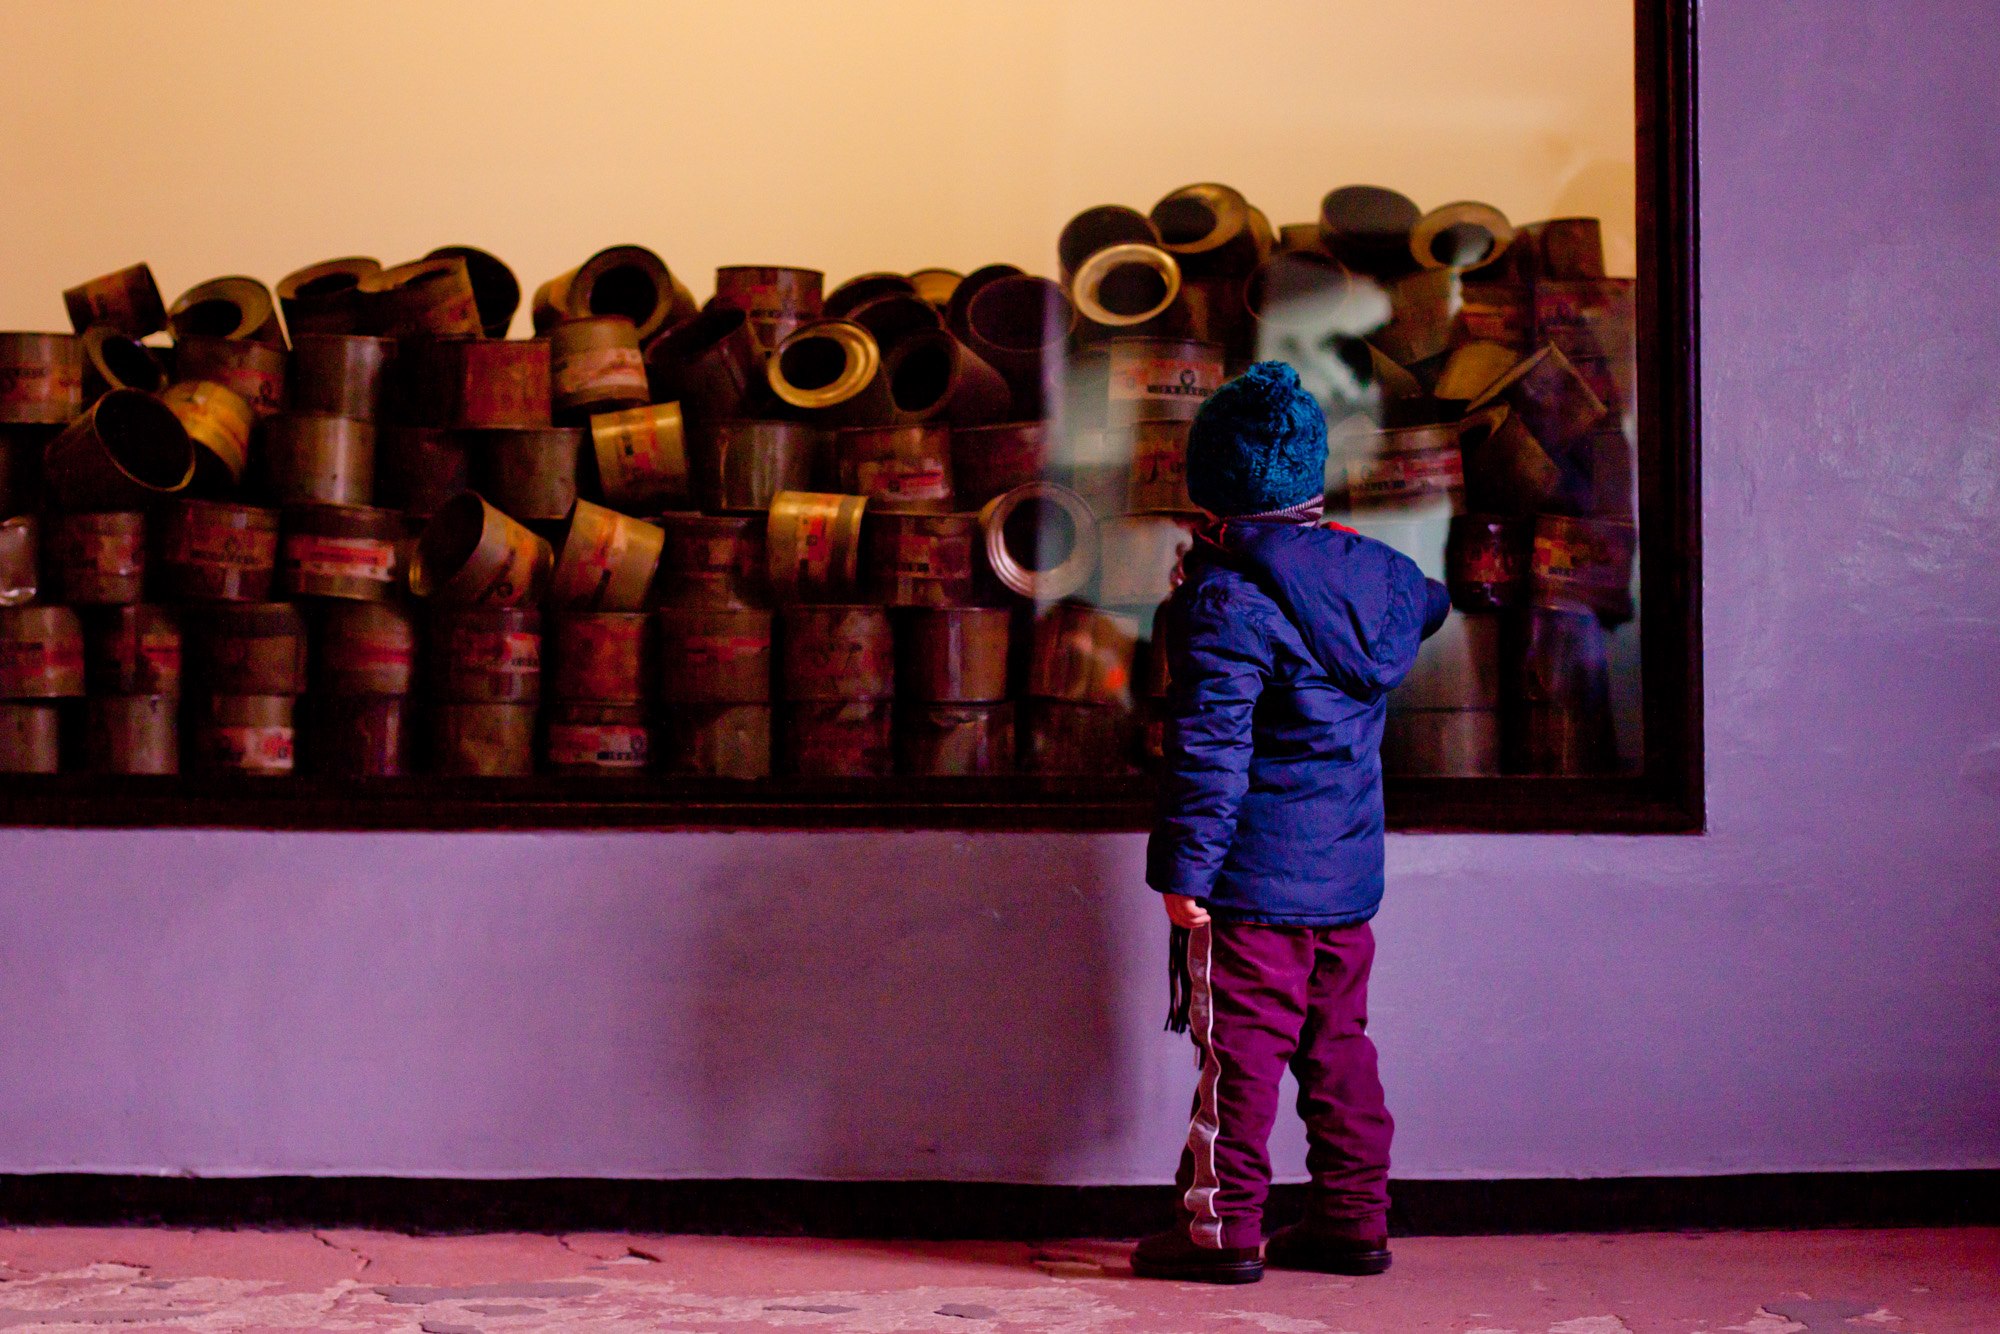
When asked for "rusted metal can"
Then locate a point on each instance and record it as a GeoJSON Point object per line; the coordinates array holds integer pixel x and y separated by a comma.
{"type": "Point", "coordinates": [712, 560]}
{"type": "Point", "coordinates": [1212, 230]}
{"type": "Point", "coordinates": [777, 298]}
{"type": "Point", "coordinates": [256, 371]}
{"type": "Point", "coordinates": [642, 457]}
{"type": "Point", "coordinates": [363, 648]}
{"type": "Point", "coordinates": [711, 364]}
{"type": "Point", "coordinates": [97, 559]}
{"type": "Point", "coordinates": [474, 383]}
{"type": "Point", "coordinates": [41, 378]}
{"type": "Point", "coordinates": [1121, 288]}
{"type": "Point", "coordinates": [904, 467]}
{"type": "Point", "coordinates": [219, 422]}
{"type": "Point", "coordinates": [739, 467]}
{"type": "Point", "coordinates": [989, 461]}
{"type": "Point", "coordinates": [838, 739]}
{"type": "Point", "coordinates": [1162, 379]}
{"type": "Point", "coordinates": [235, 307]}
{"type": "Point", "coordinates": [713, 655]}
{"type": "Point", "coordinates": [1100, 228]}
{"type": "Point", "coordinates": [419, 468]}
{"type": "Point", "coordinates": [325, 297]}
{"type": "Point", "coordinates": [1499, 313]}
{"type": "Point", "coordinates": [41, 653]}
{"type": "Point", "coordinates": [249, 648]}
{"type": "Point", "coordinates": [111, 360]}
{"type": "Point", "coordinates": [127, 301]}
{"type": "Point", "coordinates": [486, 655]}
{"type": "Point", "coordinates": [1470, 369]}
{"type": "Point", "coordinates": [425, 296]}
{"type": "Point", "coordinates": [471, 554]}
{"type": "Point", "coordinates": [20, 560]}
{"type": "Point", "coordinates": [127, 452]}
{"type": "Point", "coordinates": [1367, 228]}
{"type": "Point", "coordinates": [585, 737]}
{"type": "Point", "coordinates": [829, 371]}
{"type": "Point", "coordinates": [1547, 396]}
{"type": "Point", "coordinates": [1140, 558]}
{"type": "Point", "coordinates": [1077, 739]}
{"type": "Point", "coordinates": [1486, 559]}
{"type": "Point", "coordinates": [607, 563]}
{"type": "Point", "coordinates": [954, 740]}
{"type": "Point", "coordinates": [132, 650]}
{"type": "Point", "coordinates": [1082, 654]}
{"type": "Point", "coordinates": [716, 740]}
{"type": "Point", "coordinates": [1584, 564]}
{"type": "Point", "coordinates": [932, 376]}
{"type": "Point", "coordinates": [217, 551]}
{"type": "Point", "coordinates": [595, 366]}
{"type": "Point", "coordinates": [357, 736]}
{"type": "Point", "coordinates": [1566, 249]}
{"type": "Point", "coordinates": [482, 740]}
{"type": "Point", "coordinates": [496, 292]}
{"type": "Point", "coordinates": [1595, 325]}
{"type": "Point", "coordinates": [936, 285]}
{"type": "Point", "coordinates": [1041, 541]}
{"type": "Point", "coordinates": [1413, 465]}
{"type": "Point", "coordinates": [600, 656]}
{"type": "Point", "coordinates": [916, 558]}
{"type": "Point", "coordinates": [132, 734]}
{"type": "Point", "coordinates": [21, 467]}
{"type": "Point", "coordinates": [1507, 471]}
{"type": "Point", "coordinates": [315, 459]}
{"type": "Point", "coordinates": [863, 288]}
{"type": "Point", "coordinates": [30, 737]}
{"type": "Point", "coordinates": [530, 472]}
{"type": "Point", "coordinates": [1441, 743]}
{"type": "Point", "coordinates": [340, 375]}
{"type": "Point", "coordinates": [342, 551]}
{"type": "Point", "coordinates": [813, 545]}
{"type": "Point", "coordinates": [625, 280]}
{"type": "Point", "coordinates": [245, 734]}
{"type": "Point", "coordinates": [894, 317]}
{"type": "Point", "coordinates": [1020, 327]}
{"type": "Point", "coordinates": [1158, 480]}
{"type": "Point", "coordinates": [836, 652]}
{"type": "Point", "coordinates": [953, 655]}
{"type": "Point", "coordinates": [1465, 236]}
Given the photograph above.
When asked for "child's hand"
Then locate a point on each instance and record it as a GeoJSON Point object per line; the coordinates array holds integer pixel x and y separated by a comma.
{"type": "Point", "coordinates": [1185, 912]}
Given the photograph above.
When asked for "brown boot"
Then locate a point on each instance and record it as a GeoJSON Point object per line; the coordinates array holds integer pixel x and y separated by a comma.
{"type": "Point", "coordinates": [1174, 1255]}
{"type": "Point", "coordinates": [1316, 1245]}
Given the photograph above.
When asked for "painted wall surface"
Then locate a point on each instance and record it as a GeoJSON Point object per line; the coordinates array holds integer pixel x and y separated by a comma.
{"type": "Point", "coordinates": [1813, 984]}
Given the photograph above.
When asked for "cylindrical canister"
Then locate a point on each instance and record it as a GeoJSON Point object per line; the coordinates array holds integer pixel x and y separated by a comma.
{"type": "Point", "coordinates": [495, 290]}
{"type": "Point", "coordinates": [340, 375]}
{"type": "Point", "coordinates": [1082, 654]}
{"type": "Point", "coordinates": [595, 366]}
{"type": "Point", "coordinates": [1059, 737]}
{"type": "Point", "coordinates": [219, 421]}
{"type": "Point", "coordinates": [600, 657]}
{"type": "Point", "coordinates": [777, 299]}
{"type": "Point", "coordinates": [113, 361]}
{"type": "Point", "coordinates": [248, 648]}
{"type": "Point", "coordinates": [127, 452]}
{"type": "Point", "coordinates": [954, 740]}
{"type": "Point", "coordinates": [41, 653]}
{"type": "Point", "coordinates": [642, 457]}
{"type": "Point", "coordinates": [529, 472]}
{"type": "Point", "coordinates": [838, 739]}
{"type": "Point", "coordinates": [1139, 559]}
{"type": "Point", "coordinates": [716, 740]}
{"type": "Point", "coordinates": [133, 650]}
{"type": "Point", "coordinates": [482, 740]}
{"type": "Point", "coordinates": [486, 655]}
{"type": "Point", "coordinates": [1499, 314]}
{"type": "Point", "coordinates": [315, 459]}
{"type": "Point", "coordinates": [711, 364]}
{"type": "Point", "coordinates": [712, 560]}
{"type": "Point", "coordinates": [906, 467]}
{"type": "Point", "coordinates": [813, 545]}
{"type": "Point", "coordinates": [836, 652]}
{"type": "Point", "coordinates": [586, 737]}
{"type": "Point", "coordinates": [236, 307]}
{"type": "Point", "coordinates": [342, 551]}
{"type": "Point", "coordinates": [626, 280]}
{"type": "Point", "coordinates": [325, 297]}
{"type": "Point", "coordinates": [829, 371]}
{"type": "Point", "coordinates": [713, 655]}
{"type": "Point", "coordinates": [1486, 561]}
{"type": "Point", "coordinates": [1409, 466]}
{"type": "Point", "coordinates": [989, 461]}
{"type": "Point", "coordinates": [471, 554]}
{"type": "Point", "coordinates": [1158, 483]}
{"type": "Point", "coordinates": [97, 559]}
{"type": "Point", "coordinates": [953, 655]}
{"type": "Point", "coordinates": [20, 560]}
{"type": "Point", "coordinates": [131, 734]}
{"type": "Point", "coordinates": [1584, 564]}
{"type": "Point", "coordinates": [30, 736]}
{"type": "Point", "coordinates": [127, 301]}
{"type": "Point", "coordinates": [607, 563]}
{"type": "Point", "coordinates": [739, 467]}
{"type": "Point", "coordinates": [1041, 540]}
{"type": "Point", "coordinates": [1162, 379]}
{"type": "Point", "coordinates": [41, 378]}
{"type": "Point", "coordinates": [357, 736]}
{"type": "Point", "coordinates": [247, 734]}
{"type": "Point", "coordinates": [916, 558]}
{"type": "Point", "coordinates": [256, 371]}
{"type": "Point", "coordinates": [419, 468]}
{"type": "Point", "coordinates": [425, 296]}
{"type": "Point", "coordinates": [363, 648]}
{"type": "Point", "coordinates": [501, 383]}
{"type": "Point", "coordinates": [217, 551]}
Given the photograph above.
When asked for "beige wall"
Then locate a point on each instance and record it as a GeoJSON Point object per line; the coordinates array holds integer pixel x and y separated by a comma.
{"type": "Point", "coordinates": [214, 136]}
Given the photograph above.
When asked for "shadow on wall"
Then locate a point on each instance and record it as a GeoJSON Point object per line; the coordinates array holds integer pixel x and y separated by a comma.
{"type": "Point", "coordinates": [912, 1008]}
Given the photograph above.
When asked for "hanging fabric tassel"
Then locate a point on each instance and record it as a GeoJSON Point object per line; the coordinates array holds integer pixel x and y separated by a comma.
{"type": "Point", "coordinates": [1180, 981]}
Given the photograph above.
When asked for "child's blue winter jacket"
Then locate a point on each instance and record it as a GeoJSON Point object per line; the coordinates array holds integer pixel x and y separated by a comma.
{"type": "Point", "coordinates": [1284, 642]}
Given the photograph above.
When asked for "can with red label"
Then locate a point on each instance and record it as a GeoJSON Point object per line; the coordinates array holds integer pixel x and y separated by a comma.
{"type": "Point", "coordinates": [41, 653]}
{"type": "Point", "coordinates": [916, 558]}
{"type": "Point", "coordinates": [953, 655]}
{"type": "Point", "coordinates": [776, 298]}
{"type": "Point", "coordinates": [342, 375]}
{"type": "Point", "coordinates": [357, 736]}
{"type": "Point", "coordinates": [30, 737]}
{"type": "Point", "coordinates": [256, 371]}
{"type": "Point", "coordinates": [599, 657]}
{"type": "Point", "coordinates": [642, 457]}
{"type": "Point", "coordinates": [1486, 561]}
{"type": "Point", "coordinates": [1158, 481]}
{"type": "Point", "coordinates": [713, 655]}
{"type": "Point", "coordinates": [1083, 655]}
{"type": "Point", "coordinates": [132, 650]}
{"type": "Point", "coordinates": [584, 737]}
{"type": "Point", "coordinates": [607, 563]}
{"type": "Point", "coordinates": [482, 740]}
{"type": "Point", "coordinates": [246, 734]}
{"type": "Point", "coordinates": [836, 652]}
{"type": "Point", "coordinates": [425, 296]}
{"type": "Point", "coordinates": [342, 551]}
{"type": "Point", "coordinates": [595, 366]}
{"type": "Point", "coordinates": [217, 551]}
{"type": "Point", "coordinates": [363, 648]}
{"type": "Point", "coordinates": [712, 560]}
{"type": "Point", "coordinates": [486, 655]}
{"type": "Point", "coordinates": [248, 648]}
{"type": "Point", "coordinates": [838, 739]}
{"type": "Point", "coordinates": [41, 378]}
{"type": "Point", "coordinates": [1154, 379]}
{"type": "Point", "coordinates": [989, 461]}
{"type": "Point", "coordinates": [131, 734]}
{"type": "Point", "coordinates": [905, 467]}
{"type": "Point", "coordinates": [500, 383]}
{"type": "Point", "coordinates": [813, 545]}
{"type": "Point", "coordinates": [97, 559]}
{"type": "Point", "coordinates": [1502, 313]}
{"type": "Point", "coordinates": [716, 740]}
{"type": "Point", "coordinates": [1584, 564]}
{"type": "Point", "coordinates": [954, 740]}
{"type": "Point", "coordinates": [127, 301]}
{"type": "Point", "coordinates": [739, 467]}
{"type": "Point", "coordinates": [529, 473]}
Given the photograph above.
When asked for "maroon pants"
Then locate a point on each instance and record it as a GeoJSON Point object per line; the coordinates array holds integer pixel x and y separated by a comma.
{"type": "Point", "coordinates": [1265, 997]}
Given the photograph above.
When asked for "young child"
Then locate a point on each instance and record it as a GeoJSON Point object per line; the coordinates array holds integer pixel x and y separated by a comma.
{"type": "Point", "coordinates": [1286, 636]}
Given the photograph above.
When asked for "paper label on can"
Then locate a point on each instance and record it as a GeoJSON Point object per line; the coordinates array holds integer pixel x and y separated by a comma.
{"type": "Point", "coordinates": [201, 540]}
{"type": "Point", "coordinates": [1159, 458]}
{"type": "Point", "coordinates": [161, 653]}
{"type": "Point", "coordinates": [816, 547]}
{"type": "Point", "coordinates": [1578, 557]}
{"type": "Point", "coordinates": [846, 746]}
{"type": "Point", "coordinates": [1426, 472]}
{"type": "Point", "coordinates": [606, 746]}
{"type": "Point", "coordinates": [316, 556]}
{"type": "Point", "coordinates": [210, 421]}
{"type": "Point", "coordinates": [1496, 314]}
{"type": "Point", "coordinates": [928, 556]}
{"type": "Point", "coordinates": [113, 555]}
{"type": "Point", "coordinates": [1163, 379]}
{"type": "Point", "coordinates": [369, 651]}
{"type": "Point", "coordinates": [902, 479]}
{"type": "Point", "coordinates": [1490, 562]}
{"type": "Point", "coordinates": [35, 665]}
{"type": "Point", "coordinates": [514, 652]}
{"type": "Point", "coordinates": [57, 381]}
{"type": "Point", "coordinates": [607, 371]}
{"type": "Point", "coordinates": [602, 657]}
{"type": "Point", "coordinates": [718, 649]}
{"type": "Point", "coordinates": [1592, 319]}
{"type": "Point", "coordinates": [642, 460]}
{"type": "Point", "coordinates": [265, 749]}
{"type": "Point", "coordinates": [263, 390]}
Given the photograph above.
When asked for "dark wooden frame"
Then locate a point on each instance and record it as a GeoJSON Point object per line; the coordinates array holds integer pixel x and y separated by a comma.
{"type": "Point", "coordinates": [1666, 796]}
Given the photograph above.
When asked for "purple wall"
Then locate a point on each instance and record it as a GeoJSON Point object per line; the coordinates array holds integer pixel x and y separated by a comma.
{"type": "Point", "coordinates": [1815, 984]}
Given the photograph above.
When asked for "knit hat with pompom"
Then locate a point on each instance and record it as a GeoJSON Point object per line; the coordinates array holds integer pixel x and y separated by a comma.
{"type": "Point", "coordinates": [1258, 444]}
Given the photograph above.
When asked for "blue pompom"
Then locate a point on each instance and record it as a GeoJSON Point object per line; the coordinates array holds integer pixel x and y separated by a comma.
{"type": "Point", "coordinates": [1257, 444]}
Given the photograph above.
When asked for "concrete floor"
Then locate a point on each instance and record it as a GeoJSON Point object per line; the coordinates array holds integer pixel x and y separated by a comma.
{"type": "Point", "coordinates": [135, 1280]}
